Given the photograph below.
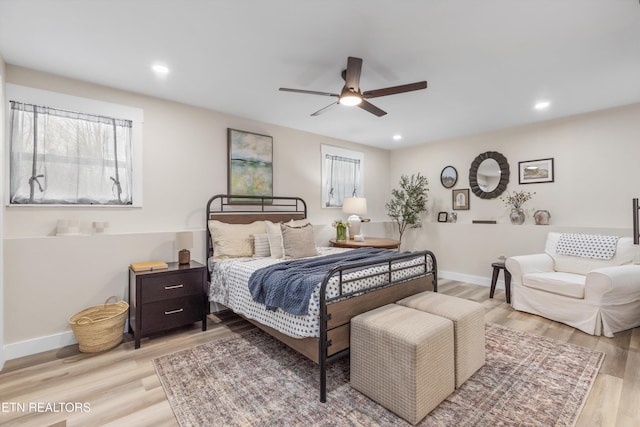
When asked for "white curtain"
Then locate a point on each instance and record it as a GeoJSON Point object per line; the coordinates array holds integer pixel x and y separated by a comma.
{"type": "Point", "coordinates": [65, 157]}
{"type": "Point", "coordinates": [343, 177]}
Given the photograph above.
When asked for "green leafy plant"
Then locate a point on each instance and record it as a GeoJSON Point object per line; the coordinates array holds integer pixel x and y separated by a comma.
{"type": "Point", "coordinates": [340, 223]}
{"type": "Point", "coordinates": [517, 199]}
{"type": "Point", "coordinates": [408, 202]}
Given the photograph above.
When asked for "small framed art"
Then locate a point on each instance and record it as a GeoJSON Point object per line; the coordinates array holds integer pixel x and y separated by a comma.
{"type": "Point", "coordinates": [535, 171]}
{"type": "Point", "coordinates": [460, 199]}
{"type": "Point", "coordinates": [443, 216]}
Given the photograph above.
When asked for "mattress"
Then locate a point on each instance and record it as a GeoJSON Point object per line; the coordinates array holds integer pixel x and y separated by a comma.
{"type": "Point", "coordinates": [229, 287]}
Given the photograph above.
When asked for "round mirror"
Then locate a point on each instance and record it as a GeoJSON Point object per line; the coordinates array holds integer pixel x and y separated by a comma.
{"type": "Point", "coordinates": [489, 175]}
{"type": "Point", "coordinates": [449, 176]}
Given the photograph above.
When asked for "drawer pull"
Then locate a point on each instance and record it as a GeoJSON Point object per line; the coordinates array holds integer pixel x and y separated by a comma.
{"type": "Point", "coordinates": [174, 287]}
{"type": "Point", "coordinates": [180, 310]}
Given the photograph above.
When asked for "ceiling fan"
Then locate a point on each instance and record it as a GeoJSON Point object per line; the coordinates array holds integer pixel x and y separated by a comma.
{"type": "Point", "coordinates": [351, 94]}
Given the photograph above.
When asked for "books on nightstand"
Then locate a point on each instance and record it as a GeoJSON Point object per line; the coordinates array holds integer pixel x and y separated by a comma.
{"type": "Point", "coordinates": [149, 266]}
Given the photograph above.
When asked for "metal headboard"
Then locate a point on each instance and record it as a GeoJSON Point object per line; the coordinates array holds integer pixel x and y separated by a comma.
{"type": "Point", "coordinates": [236, 209]}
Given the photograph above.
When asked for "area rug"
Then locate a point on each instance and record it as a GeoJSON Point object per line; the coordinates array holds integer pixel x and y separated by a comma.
{"type": "Point", "coordinates": [252, 379]}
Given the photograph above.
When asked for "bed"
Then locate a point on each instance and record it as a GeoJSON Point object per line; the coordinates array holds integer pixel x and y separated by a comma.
{"type": "Point", "coordinates": [346, 289]}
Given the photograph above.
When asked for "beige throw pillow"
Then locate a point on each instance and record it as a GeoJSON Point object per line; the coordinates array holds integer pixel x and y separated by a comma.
{"type": "Point", "coordinates": [298, 242]}
{"type": "Point", "coordinates": [233, 240]}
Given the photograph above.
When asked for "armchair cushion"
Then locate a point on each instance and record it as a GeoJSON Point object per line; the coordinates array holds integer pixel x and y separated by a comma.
{"type": "Point", "coordinates": [556, 282]}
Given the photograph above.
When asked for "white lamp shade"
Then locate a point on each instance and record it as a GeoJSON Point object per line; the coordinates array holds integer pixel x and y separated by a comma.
{"type": "Point", "coordinates": [184, 240]}
{"type": "Point", "coordinates": [354, 205]}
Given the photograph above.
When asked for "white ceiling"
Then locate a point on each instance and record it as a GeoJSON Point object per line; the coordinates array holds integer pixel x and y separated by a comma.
{"type": "Point", "coordinates": [486, 62]}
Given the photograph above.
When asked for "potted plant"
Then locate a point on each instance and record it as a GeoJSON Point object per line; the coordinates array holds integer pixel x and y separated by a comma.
{"type": "Point", "coordinates": [515, 201]}
{"type": "Point", "coordinates": [408, 202]}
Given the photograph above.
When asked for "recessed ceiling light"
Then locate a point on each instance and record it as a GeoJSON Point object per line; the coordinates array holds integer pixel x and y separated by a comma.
{"type": "Point", "coordinates": [160, 69]}
{"type": "Point", "coordinates": [397, 137]}
{"type": "Point", "coordinates": [541, 105]}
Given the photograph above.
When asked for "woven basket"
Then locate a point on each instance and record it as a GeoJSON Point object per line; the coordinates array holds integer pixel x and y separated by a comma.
{"type": "Point", "coordinates": [100, 327]}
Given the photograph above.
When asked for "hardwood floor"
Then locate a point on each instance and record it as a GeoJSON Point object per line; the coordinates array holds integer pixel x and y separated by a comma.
{"type": "Point", "coordinates": [120, 386]}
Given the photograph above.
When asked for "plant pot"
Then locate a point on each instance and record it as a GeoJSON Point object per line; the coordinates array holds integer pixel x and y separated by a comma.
{"type": "Point", "coordinates": [517, 216]}
{"type": "Point", "coordinates": [341, 233]}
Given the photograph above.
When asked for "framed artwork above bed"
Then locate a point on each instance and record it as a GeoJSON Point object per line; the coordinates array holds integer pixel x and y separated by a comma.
{"type": "Point", "coordinates": [250, 164]}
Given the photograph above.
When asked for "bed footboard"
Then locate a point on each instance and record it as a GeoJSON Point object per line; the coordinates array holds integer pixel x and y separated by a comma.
{"type": "Point", "coordinates": [336, 312]}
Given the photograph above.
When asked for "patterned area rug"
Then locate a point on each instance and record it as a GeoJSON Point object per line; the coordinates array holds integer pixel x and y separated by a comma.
{"type": "Point", "coordinates": [254, 380]}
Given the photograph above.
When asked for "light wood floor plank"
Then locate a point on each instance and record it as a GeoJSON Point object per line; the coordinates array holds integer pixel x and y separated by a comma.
{"type": "Point", "coordinates": [123, 389]}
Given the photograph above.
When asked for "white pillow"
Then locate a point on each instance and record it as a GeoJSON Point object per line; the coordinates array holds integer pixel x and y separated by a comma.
{"type": "Point", "coordinates": [298, 242]}
{"type": "Point", "coordinates": [261, 245]}
{"type": "Point", "coordinates": [233, 240]}
{"type": "Point", "coordinates": [275, 239]}
{"type": "Point", "coordinates": [298, 222]}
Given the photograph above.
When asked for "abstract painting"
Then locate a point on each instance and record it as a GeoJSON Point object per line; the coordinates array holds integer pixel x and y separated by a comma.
{"type": "Point", "coordinates": [250, 170]}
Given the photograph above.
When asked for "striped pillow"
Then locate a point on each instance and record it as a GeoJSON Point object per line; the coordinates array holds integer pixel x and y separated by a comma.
{"type": "Point", "coordinates": [261, 245]}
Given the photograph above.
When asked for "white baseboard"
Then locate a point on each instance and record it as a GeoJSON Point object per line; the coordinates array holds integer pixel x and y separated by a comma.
{"type": "Point", "coordinates": [41, 344]}
{"type": "Point", "coordinates": [38, 345]}
{"type": "Point", "coordinates": [467, 278]}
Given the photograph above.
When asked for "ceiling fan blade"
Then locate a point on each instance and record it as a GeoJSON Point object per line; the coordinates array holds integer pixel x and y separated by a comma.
{"type": "Point", "coordinates": [352, 76]}
{"type": "Point", "coordinates": [322, 110]}
{"type": "Point", "coordinates": [394, 90]}
{"type": "Point", "coordinates": [371, 108]}
{"type": "Point", "coordinates": [311, 92]}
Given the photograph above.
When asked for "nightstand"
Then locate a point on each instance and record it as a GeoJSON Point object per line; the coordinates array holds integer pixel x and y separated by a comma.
{"type": "Point", "coordinates": [368, 242]}
{"type": "Point", "coordinates": [160, 300]}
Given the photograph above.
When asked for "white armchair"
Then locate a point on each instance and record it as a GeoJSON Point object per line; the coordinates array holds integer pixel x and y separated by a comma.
{"type": "Point", "coordinates": [597, 296]}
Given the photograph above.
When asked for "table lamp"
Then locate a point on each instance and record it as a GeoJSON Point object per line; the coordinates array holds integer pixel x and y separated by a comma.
{"type": "Point", "coordinates": [355, 206]}
{"type": "Point", "coordinates": [184, 240]}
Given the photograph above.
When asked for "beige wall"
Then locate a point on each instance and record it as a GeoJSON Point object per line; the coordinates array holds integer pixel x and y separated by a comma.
{"type": "Point", "coordinates": [596, 175]}
{"type": "Point", "coordinates": [2, 136]}
{"type": "Point", "coordinates": [48, 278]}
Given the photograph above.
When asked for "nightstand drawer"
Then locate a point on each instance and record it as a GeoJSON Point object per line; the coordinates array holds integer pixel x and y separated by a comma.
{"type": "Point", "coordinates": [168, 286]}
{"type": "Point", "coordinates": [162, 315]}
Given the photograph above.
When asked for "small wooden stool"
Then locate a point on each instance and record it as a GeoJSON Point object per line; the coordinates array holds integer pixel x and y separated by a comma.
{"type": "Point", "coordinates": [497, 266]}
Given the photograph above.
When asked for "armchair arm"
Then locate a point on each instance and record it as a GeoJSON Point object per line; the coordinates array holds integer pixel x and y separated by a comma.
{"type": "Point", "coordinates": [523, 264]}
{"type": "Point", "coordinates": [613, 285]}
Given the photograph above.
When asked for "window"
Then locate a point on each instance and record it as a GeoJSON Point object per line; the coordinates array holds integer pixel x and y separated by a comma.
{"type": "Point", "coordinates": [342, 172]}
{"type": "Point", "coordinates": [61, 156]}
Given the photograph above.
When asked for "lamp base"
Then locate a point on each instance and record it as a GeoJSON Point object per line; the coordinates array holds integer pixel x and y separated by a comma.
{"type": "Point", "coordinates": [354, 226]}
{"type": "Point", "coordinates": [184, 256]}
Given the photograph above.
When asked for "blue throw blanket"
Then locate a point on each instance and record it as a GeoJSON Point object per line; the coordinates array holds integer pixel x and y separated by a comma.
{"type": "Point", "coordinates": [288, 285]}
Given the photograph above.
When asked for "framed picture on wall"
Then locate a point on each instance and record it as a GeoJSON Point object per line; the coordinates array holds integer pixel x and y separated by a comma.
{"type": "Point", "coordinates": [535, 171]}
{"type": "Point", "coordinates": [448, 176]}
{"type": "Point", "coordinates": [443, 217]}
{"type": "Point", "coordinates": [250, 167]}
{"type": "Point", "coordinates": [460, 199]}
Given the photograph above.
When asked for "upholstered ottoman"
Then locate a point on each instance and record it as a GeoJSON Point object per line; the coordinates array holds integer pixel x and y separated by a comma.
{"type": "Point", "coordinates": [468, 324]}
{"type": "Point", "coordinates": [402, 359]}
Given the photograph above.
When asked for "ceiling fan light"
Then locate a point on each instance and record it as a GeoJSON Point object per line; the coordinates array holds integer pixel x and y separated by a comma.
{"type": "Point", "coordinates": [349, 97]}
{"type": "Point", "coordinates": [350, 100]}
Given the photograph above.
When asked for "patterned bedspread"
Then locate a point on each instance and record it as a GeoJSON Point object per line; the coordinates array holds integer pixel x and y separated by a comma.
{"type": "Point", "coordinates": [229, 286]}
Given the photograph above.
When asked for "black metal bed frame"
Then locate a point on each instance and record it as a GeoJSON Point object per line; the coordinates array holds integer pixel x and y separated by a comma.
{"type": "Point", "coordinates": [232, 204]}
